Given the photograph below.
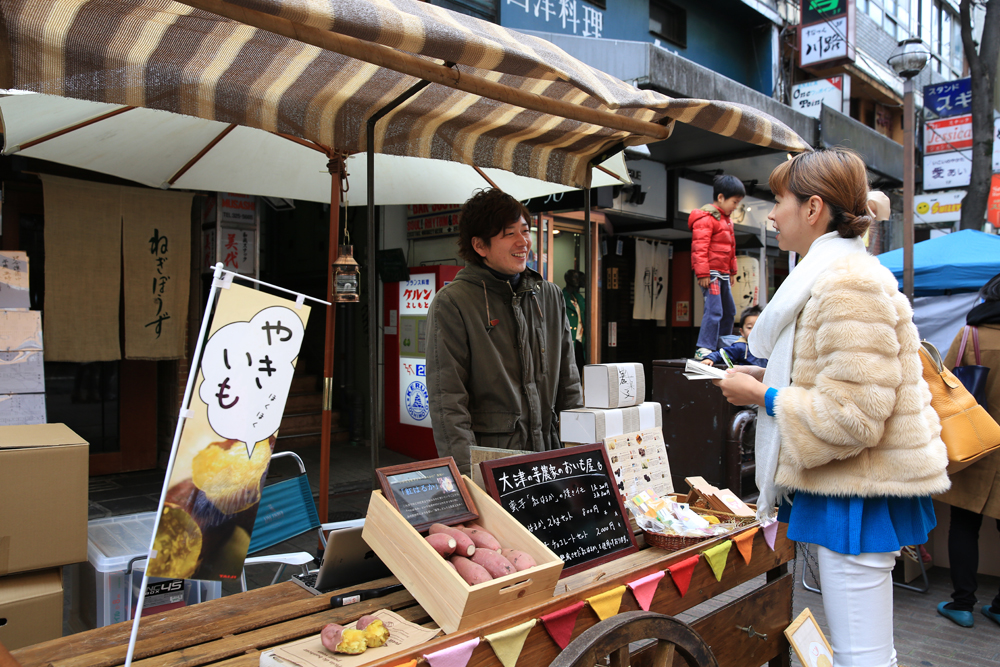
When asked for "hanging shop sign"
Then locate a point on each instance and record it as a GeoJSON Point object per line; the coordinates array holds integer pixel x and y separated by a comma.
{"type": "Point", "coordinates": [826, 33]}
{"type": "Point", "coordinates": [809, 97]}
{"type": "Point", "coordinates": [238, 250]}
{"type": "Point", "coordinates": [415, 296]}
{"type": "Point", "coordinates": [951, 98]}
{"type": "Point", "coordinates": [423, 220]}
{"type": "Point", "coordinates": [236, 208]}
{"type": "Point", "coordinates": [228, 432]}
{"type": "Point", "coordinates": [948, 134]}
{"type": "Point", "coordinates": [947, 170]}
{"type": "Point", "coordinates": [993, 203]}
{"type": "Point", "coordinates": [939, 207]}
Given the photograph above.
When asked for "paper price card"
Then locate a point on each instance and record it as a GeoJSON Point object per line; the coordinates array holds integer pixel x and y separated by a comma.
{"type": "Point", "coordinates": [310, 652]}
{"type": "Point", "coordinates": [225, 447]}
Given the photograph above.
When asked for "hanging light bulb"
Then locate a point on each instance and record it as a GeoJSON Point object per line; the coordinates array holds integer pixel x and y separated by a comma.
{"type": "Point", "coordinates": [346, 276]}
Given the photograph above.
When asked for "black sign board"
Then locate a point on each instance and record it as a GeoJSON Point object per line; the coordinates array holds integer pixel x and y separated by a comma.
{"type": "Point", "coordinates": [428, 492]}
{"type": "Point", "coordinates": [814, 11]}
{"type": "Point", "coordinates": [568, 499]}
{"type": "Point", "coordinates": [391, 264]}
{"type": "Point", "coordinates": [572, 200]}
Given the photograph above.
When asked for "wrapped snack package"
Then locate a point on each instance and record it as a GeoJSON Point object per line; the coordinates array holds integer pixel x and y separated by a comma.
{"type": "Point", "coordinates": [658, 515]}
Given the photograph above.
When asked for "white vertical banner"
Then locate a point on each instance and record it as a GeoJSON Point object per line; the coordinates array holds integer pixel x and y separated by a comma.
{"type": "Point", "coordinates": [661, 280]}
{"type": "Point", "coordinates": [642, 308]}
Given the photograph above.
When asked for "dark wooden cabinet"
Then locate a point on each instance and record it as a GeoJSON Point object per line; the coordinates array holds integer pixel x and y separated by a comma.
{"type": "Point", "coordinates": [706, 436]}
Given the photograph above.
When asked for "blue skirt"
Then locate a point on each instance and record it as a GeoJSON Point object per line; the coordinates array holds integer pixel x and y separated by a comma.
{"type": "Point", "coordinates": [858, 525]}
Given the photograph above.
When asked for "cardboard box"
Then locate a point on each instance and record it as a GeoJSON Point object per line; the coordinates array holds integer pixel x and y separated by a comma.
{"type": "Point", "coordinates": [32, 606]}
{"type": "Point", "coordinates": [444, 595]}
{"type": "Point", "coordinates": [43, 497]}
{"type": "Point", "coordinates": [587, 425]}
{"type": "Point", "coordinates": [613, 385]}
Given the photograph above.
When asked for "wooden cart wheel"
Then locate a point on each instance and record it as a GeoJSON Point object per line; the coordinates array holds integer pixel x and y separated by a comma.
{"type": "Point", "coordinates": [611, 637]}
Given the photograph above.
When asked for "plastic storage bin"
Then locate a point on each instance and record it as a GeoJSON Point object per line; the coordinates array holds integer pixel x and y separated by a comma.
{"type": "Point", "coordinates": [103, 594]}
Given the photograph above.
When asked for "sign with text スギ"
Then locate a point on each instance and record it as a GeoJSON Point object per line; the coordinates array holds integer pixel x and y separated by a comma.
{"type": "Point", "coordinates": [809, 97]}
{"type": "Point", "coordinates": [951, 98]}
{"type": "Point", "coordinates": [225, 445]}
{"type": "Point", "coordinates": [939, 207]}
{"type": "Point", "coordinates": [826, 34]}
{"type": "Point", "coordinates": [948, 135]}
{"type": "Point", "coordinates": [947, 170]}
{"type": "Point", "coordinates": [568, 499]}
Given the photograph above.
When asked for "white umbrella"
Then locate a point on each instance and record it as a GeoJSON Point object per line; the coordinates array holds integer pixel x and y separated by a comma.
{"type": "Point", "coordinates": [167, 150]}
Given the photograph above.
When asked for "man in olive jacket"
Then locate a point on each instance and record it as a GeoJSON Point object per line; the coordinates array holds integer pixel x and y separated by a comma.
{"type": "Point", "coordinates": [500, 361]}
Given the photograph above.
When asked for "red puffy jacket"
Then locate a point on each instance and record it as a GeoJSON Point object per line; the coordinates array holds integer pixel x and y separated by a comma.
{"type": "Point", "coordinates": [713, 242]}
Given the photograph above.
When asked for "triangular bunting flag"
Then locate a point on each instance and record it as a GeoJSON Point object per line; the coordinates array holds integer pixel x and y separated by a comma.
{"type": "Point", "coordinates": [744, 542]}
{"type": "Point", "coordinates": [507, 644]}
{"type": "Point", "coordinates": [681, 573]}
{"type": "Point", "coordinates": [645, 588]}
{"type": "Point", "coordinates": [607, 604]}
{"type": "Point", "coordinates": [770, 532]}
{"type": "Point", "coordinates": [716, 557]}
{"type": "Point", "coordinates": [453, 656]}
{"type": "Point", "coordinates": [560, 623]}
{"type": "Point", "coordinates": [411, 663]}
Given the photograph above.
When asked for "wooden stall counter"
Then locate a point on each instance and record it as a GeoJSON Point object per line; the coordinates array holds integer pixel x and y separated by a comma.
{"type": "Point", "coordinates": [233, 631]}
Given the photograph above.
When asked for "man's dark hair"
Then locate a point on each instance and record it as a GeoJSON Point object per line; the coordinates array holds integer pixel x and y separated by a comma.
{"type": "Point", "coordinates": [484, 216]}
{"type": "Point", "coordinates": [752, 311]}
{"type": "Point", "coordinates": [728, 186]}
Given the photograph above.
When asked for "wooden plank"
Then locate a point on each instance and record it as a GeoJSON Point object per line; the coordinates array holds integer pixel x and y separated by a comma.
{"type": "Point", "coordinates": [768, 610]}
{"type": "Point", "coordinates": [267, 638]}
{"type": "Point", "coordinates": [539, 648]}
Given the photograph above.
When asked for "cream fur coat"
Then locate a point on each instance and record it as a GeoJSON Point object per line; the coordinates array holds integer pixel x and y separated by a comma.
{"type": "Point", "coordinates": [857, 419]}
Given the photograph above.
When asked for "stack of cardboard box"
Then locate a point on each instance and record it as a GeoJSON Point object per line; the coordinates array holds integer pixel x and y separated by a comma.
{"type": "Point", "coordinates": [22, 377]}
{"type": "Point", "coordinates": [43, 526]}
{"type": "Point", "coordinates": [617, 415]}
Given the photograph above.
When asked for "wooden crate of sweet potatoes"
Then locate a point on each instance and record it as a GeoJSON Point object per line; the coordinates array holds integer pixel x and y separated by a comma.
{"type": "Point", "coordinates": [438, 587]}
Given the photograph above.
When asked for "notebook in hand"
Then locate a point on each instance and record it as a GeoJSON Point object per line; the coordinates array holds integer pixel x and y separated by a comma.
{"type": "Point", "coordinates": [695, 370]}
{"type": "Point", "coordinates": [347, 561]}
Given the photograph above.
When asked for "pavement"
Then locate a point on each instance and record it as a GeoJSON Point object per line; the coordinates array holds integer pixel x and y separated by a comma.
{"type": "Point", "coordinates": [923, 638]}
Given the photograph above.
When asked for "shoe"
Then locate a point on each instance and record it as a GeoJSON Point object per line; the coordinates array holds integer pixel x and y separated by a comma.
{"type": "Point", "coordinates": [701, 353]}
{"type": "Point", "coordinates": [962, 618]}
{"type": "Point", "coordinates": [991, 613]}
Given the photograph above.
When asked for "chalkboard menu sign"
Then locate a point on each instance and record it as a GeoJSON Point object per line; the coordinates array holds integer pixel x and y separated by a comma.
{"type": "Point", "coordinates": [568, 499]}
{"type": "Point", "coordinates": [428, 492]}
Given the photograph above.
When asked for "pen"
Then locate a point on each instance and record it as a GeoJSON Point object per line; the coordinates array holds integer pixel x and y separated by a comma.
{"type": "Point", "coordinates": [363, 594]}
{"type": "Point", "coordinates": [725, 357]}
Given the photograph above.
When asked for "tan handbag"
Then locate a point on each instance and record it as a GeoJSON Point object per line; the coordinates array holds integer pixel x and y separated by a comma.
{"type": "Point", "coordinates": [968, 431]}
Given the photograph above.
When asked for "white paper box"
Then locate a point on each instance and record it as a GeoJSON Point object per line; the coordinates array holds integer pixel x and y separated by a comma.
{"type": "Point", "coordinates": [587, 425]}
{"type": "Point", "coordinates": [613, 385]}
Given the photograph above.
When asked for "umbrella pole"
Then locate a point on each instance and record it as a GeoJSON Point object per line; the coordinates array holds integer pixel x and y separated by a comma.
{"type": "Point", "coordinates": [336, 168]}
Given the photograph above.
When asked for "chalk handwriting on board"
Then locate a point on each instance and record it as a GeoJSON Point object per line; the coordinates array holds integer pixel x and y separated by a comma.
{"type": "Point", "coordinates": [247, 368]}
{"type": "Point", "coordinates": [568, 500]}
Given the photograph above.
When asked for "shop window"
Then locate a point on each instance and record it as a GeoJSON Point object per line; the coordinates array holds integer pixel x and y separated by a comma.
{"type": "Point", "coordinates": [668, 21]}
{"type": "Point", "coordinates": [481, 9]}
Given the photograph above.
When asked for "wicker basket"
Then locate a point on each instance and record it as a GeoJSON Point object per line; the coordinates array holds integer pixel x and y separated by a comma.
{"type": "Point", "coordinates": [678, 542]}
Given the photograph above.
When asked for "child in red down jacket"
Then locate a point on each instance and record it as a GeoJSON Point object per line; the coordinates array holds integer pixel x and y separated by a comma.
{"type": "Point", "coordinates": [713, 259]}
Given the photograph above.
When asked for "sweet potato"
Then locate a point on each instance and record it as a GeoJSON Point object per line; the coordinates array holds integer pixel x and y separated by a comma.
{"type": "Point", "coordinates": [495, 564]}
{"type": "Point", "coordinates": [482, 538]}
{"type": "Point", "coordinates": [331, 635]}
{"type": "Point", "coordinates": [443, 543]}
{"type": "Point", "coordinates": [519, 559]}
{"type": "Point", "coordinates": [471, 572]}
{"type": "Point", "coordinates": [465, 545]}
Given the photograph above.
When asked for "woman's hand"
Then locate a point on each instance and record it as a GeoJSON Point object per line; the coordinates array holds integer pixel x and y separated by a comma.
{"type": "Point", "coordinates": [741, 388]}
{"type": "Point", "coordinates": [753, 371]}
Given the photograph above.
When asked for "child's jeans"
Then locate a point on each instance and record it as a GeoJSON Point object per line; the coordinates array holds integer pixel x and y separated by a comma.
{"type": "Point", "coordinates": [720, 312]}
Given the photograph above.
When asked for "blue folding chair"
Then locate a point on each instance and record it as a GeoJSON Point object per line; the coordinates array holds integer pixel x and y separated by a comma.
{"type": "Point", "coordinates": [286, 510]}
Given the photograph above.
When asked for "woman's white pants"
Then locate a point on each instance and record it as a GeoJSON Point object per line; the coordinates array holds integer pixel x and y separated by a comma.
{"type": "Point", "coordinates": [857, 598]}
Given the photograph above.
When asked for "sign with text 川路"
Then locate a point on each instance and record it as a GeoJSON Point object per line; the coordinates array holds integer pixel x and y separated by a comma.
{"type": "Point", "coordinates": [826, 32]}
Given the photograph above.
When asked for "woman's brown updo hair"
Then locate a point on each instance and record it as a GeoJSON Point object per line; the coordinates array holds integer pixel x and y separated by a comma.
{"type": "Point", "coordinates": [835, 175]}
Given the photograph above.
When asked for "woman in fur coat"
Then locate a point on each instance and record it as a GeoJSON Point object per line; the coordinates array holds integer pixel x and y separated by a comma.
{"type": "Point", "coordinates": [975, 490]}
{"type": "Point", "coordinates": [849, 444]}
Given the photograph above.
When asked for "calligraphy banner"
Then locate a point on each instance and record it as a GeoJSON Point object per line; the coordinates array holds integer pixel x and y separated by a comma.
{"type": "Point", "coordinates": [225, 446]}
{"type": "Point", "coordinates": [82, 269]}
{"type": "Point", "coordinates": [156, 245]}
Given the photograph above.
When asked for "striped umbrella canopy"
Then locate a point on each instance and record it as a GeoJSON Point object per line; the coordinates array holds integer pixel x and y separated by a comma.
{"type": "Point", "coordinates": [319, 70]}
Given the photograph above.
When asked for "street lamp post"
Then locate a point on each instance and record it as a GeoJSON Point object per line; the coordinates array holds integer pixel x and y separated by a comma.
{"type": "Point", "coordinates": [907, 60]}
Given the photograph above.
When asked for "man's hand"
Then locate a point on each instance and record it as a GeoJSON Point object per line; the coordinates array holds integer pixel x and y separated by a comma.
{"type": "Point", "coordinates": [704, 282]}
{"type": "Point", "coordinates": [742, 388]}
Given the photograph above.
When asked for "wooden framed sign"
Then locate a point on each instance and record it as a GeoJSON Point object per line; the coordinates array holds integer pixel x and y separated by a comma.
{"type": "Point", "coordinates": [809, 642]}
{"type": "Point", "coordinates": [427, 492]}
{"type": "Point", "coordinates": [568, 499]}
